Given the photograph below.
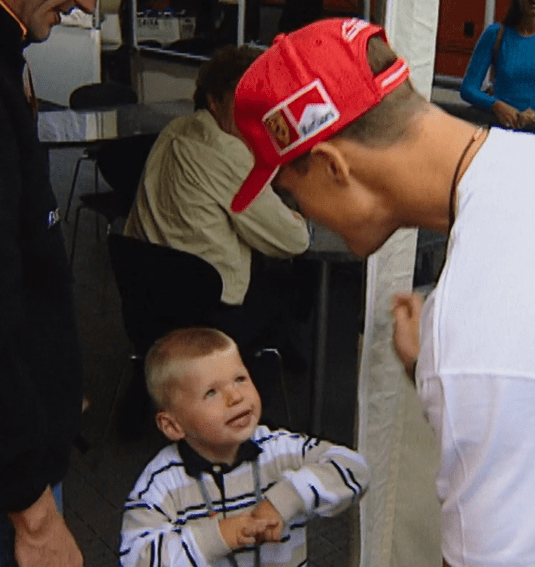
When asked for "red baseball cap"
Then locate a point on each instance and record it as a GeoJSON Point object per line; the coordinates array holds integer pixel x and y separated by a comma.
{"type": "Point", "coordinates": [307, 86]}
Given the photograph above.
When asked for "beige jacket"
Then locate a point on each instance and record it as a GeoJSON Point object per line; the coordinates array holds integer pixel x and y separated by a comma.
{"type": "Point", "coordinates": [192, 173]}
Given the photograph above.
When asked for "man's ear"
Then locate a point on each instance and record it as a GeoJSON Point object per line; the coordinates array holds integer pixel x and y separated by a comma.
{"type": "Point", "coordinates": [169, 426]}
{"type": "Point", "coordinates": [336, 162]}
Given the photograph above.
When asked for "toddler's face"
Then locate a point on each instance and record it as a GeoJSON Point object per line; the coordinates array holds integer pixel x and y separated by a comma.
{"type": "Point", "coordinates": [216, 405]}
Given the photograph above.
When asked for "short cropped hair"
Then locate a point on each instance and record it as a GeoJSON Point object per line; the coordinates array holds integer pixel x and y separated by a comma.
{"type": "Point", "coordinates": [222, 72]}
{"type": "Point", "coordinates": [167, 358]}
{"type": "Point", "coordinates": [389, 121]}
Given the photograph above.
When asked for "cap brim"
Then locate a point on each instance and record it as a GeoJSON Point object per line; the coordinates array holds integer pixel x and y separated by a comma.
{"type": "Point", "coordinates": [257, 180]}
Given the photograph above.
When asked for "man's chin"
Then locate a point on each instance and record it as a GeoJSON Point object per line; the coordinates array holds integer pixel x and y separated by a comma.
{"type": "Point", "coordinates": [42, 32]}
{"type": "Point", "coordinates": [359, 249]}
{"type": "Point", "coordinates": [33, 38]}
{"type": "Point", "coordinates": [363, 249]}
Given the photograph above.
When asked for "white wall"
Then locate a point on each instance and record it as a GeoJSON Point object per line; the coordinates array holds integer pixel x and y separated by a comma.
{"type": "Point", "coordinates": [70, 57]}
{"type": "Point", "coordinates": [160, 79]}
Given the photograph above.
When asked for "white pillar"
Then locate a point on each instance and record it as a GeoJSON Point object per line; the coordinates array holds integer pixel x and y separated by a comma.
{"type": "Point", "coordinates": [490, 13]}
{"type": "Point", "coordinates": [366, 13]}
{"type": "Point", "coordinates": [241, 22]}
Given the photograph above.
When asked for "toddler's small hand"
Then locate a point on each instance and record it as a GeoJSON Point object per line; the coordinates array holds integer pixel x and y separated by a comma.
{"type": "Point", "coordinates": [241, 530]}
{"type": "Point", "coordinates": [267, 512]}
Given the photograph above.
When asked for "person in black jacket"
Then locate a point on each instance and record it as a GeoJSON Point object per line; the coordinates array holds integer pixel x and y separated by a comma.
{"type": "Point", "coordinates": [40, 364]}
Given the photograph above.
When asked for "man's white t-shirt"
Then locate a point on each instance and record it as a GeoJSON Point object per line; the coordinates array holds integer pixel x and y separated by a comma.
{"type": "Point", "coordinates": [476, 370]}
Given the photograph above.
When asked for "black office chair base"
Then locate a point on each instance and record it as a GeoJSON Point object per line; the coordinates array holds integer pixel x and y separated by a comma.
{"type": "Point", "coordinates": [108, 205]}
{"type": "Point", "coordinates": [89, 155]}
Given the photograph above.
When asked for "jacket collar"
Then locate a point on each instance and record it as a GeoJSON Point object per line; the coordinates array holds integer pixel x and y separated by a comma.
{"type": "Point", "coordinates": [11, 41]}
{"type": "Point", "coordinates": [22, 27]}
{"type": "Point", "coordinates": [195, 464]}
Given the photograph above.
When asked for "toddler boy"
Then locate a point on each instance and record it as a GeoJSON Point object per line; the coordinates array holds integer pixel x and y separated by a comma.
{"type": "Point", "coordinates": [227, 491]}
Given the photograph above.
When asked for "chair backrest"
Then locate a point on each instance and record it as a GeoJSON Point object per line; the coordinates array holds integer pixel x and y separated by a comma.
{"type": "Point", "coordinates": [121, 163]}
{"type": "Point", "coordinates": [161, 289]}
{"type": "Point", "coordinates": [100, 95]}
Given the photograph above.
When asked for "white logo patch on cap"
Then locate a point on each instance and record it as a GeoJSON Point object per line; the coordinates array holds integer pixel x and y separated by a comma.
{"type": "Point", "coordinates": [300, 117]}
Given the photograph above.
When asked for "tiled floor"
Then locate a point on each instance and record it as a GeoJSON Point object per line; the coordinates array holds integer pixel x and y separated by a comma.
{"type": "Point", "coordinates": [100, 479]}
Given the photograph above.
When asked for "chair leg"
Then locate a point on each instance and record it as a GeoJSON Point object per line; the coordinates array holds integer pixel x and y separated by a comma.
{"type": "Point", "coordinates": [73, 185]}
{"type": "Point", "coordinates": [98, 455]}
{"type": "Point", "coordinates": [109, 227]}
{"type": "Point", "coordinates": [95, 179]}
{"type": "Point", "coordinates": [135, 409]}
{"type": "Point", "coordinates": [134, 359]}
{"type": "Point", "coordinates": [74, 234]}
{"type": "Point", "coordinates": [282, 380]}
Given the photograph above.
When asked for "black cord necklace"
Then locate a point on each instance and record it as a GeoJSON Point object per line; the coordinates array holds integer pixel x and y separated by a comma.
{"type": "Point", "coordinates": [453, 188]}
{"type": "Point", "coordinates": [475, 136]}
{"type": "Point", "coordinates": [455, 179]}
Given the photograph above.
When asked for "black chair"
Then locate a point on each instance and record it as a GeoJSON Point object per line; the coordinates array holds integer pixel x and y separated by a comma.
{"type": "Point", "coordinates": [121, 163]}
{"type": "Point", "coordinates": [163, 289]}
{"type": "Point", "coordinates": [96, 96]}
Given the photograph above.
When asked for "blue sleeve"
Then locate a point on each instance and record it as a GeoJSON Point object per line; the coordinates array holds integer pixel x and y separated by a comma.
{"type": "Point", "coordinates": [477, 69]}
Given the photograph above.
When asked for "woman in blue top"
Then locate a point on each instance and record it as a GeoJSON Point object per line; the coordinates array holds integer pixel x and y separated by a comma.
{"type": "Point", "coordinates": [513, 100]}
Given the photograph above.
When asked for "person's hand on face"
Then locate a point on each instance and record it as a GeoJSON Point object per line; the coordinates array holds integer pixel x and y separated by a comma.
{"type": "Point", "coordinates": [508, 116]}
{"type": "Point", "coordinates": [526, 118]}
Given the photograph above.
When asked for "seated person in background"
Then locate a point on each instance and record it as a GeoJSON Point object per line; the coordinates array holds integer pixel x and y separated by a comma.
{"type": "Point", "coordinates": [227, 487]}
{"type": "Point", "coordinates": [192, 173]}
{"type": "Point", "coordinates": [510, 48]}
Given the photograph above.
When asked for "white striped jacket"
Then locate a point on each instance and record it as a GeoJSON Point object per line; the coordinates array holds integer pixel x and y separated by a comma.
{"type": "Point", "coordinates": [167, 522]}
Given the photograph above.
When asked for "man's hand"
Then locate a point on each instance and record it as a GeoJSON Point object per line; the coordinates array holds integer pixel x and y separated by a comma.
{"type": "Point", "coordinates": [42, 538]}
{"type": "Point", "coordinates": [241, 530]}
{"type": "Point", "coordinates": [508, 116]}
{"type": "Point", "coordinates": [267, 512]}
{"type": "Point", "coordinates": [406, 310]}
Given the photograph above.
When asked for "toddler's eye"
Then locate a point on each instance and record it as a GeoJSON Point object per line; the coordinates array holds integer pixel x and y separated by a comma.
{"type": "Point", "coordinates": [241, 379]}
{"type": "Point", "coordinates": [210, 393]}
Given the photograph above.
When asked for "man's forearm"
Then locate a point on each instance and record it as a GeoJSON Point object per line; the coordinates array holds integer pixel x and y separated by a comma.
{"type": "Point", "coordinates": [42, 537]}
{"type": "Point", "coordinates": [38, 514]}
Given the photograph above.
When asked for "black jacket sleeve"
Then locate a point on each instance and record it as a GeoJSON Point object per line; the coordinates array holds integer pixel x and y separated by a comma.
{"type": "Point", "coordinates": [40, 370]}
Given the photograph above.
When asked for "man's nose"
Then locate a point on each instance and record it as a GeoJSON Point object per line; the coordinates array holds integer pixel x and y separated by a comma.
{"type": "Point", "coordinates": [88, 6]}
